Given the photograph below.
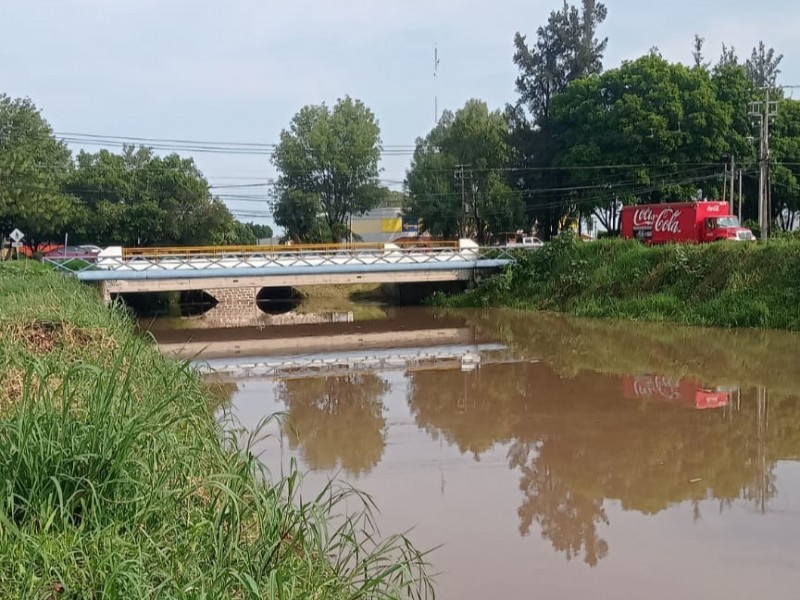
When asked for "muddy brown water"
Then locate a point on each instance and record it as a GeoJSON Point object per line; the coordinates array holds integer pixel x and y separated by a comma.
{"type": "Point", "coordinates": [550, 457]}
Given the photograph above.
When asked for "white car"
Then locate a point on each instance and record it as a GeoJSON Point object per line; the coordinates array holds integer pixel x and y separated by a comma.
{"type": "Point", "coordinates": [527, 242]}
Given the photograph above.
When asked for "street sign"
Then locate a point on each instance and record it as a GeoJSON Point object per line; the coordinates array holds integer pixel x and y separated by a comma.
{"type": "Point", "coordinates": [16, 244]}
{"type": "Point", "coordinates": [17, 235]}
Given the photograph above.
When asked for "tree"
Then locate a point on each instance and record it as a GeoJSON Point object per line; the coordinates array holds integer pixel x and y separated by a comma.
{"type": "Point", "coordinates": [138, 198]}
{"type": "Point", "coordinates": [439, 188]}
{"type": "Point", "coordinates": [666, 126]}
{"type": "Point", "coordinates": [33, 167]}
{"type": "Point", "coordinates": [763, 67]}
{"type": "Point", "coordinates": [248, 234]}
{"type": "Point", "coordinates": [328, 164]}
{"type": "Point", "coordinates": [728, 58]}
{"type": "Point", "coordinates": [785, 144]}
{"type": "Point", "coordinates": [697, 53]}
{"type": "Point", "coordinates": [567, 49]}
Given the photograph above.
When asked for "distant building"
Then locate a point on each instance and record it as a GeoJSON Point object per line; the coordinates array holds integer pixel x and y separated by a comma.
{"type": "Point", "coordinates": [383, 225]}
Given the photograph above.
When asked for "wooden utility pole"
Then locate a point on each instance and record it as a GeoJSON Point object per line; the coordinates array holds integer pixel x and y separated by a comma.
{"type": "Point", "coordinates": [725, 180]}
{"type": "Point", "coordinates": [461, 175]}
{"type": "Point", "coordinates": [741, 218]}
{"type": "Point", "coordinates": [764, 111]}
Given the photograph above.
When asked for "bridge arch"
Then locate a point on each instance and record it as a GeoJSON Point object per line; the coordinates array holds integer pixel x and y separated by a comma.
{"type": "Point", "coordinates": [278, 300]}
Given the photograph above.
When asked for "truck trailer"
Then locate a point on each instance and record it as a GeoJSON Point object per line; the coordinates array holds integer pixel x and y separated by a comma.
{"type": "Point", "coordinates": [682, 222]}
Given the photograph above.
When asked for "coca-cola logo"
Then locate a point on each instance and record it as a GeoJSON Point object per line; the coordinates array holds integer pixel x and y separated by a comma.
{"type": "Point", "coordinates": [665, 221]}
{"type": "Point", "coordinates": [650, 387]}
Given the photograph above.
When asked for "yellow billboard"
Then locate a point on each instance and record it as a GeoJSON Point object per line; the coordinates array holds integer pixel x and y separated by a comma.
{"type": "Point", "coordinates": [392, 225]}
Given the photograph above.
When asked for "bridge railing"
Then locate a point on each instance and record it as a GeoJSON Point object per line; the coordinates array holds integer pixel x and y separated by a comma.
{"type": "Point", "coordinates": [215, 258]}
{"type": "Point", "coordinates": [284, 249]}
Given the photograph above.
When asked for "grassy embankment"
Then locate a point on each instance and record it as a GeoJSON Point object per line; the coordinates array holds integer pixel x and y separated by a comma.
{"type": "Point", "coordinates": [726, 284]}
{"type": "Point", "coordinates": [116, 481]}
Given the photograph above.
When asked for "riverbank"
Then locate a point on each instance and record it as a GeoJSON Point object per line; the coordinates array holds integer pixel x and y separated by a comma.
{"type": "Point", "coordinates": [117, 481]}
{"type": "Point", "coordinates": [723, 285]}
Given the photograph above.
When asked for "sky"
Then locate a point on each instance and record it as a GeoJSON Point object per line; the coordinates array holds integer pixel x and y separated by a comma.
{"type": "Point", "coordinates": [237, 71]}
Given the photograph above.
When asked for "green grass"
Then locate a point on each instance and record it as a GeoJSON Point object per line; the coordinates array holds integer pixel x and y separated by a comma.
{"type": "Point", "coordinates": [116, 481]}
{"type": "Point", "coordinates": [725, 284]}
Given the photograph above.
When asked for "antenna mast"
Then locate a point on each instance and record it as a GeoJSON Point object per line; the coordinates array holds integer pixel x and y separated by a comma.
{"type": "Point", "coordinates": [435, 75]}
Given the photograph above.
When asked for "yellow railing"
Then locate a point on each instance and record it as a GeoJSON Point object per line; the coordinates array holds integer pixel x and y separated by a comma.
{"type": "Point", "coordinates": [282, 249]}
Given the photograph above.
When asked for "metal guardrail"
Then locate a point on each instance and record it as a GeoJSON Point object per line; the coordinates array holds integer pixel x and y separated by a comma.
{"type": "Point", "coordinates": [193, 251]}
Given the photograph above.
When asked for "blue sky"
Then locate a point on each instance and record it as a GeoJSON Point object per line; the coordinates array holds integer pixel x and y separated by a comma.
{"type": "Point", "coordinates": [238, 71]}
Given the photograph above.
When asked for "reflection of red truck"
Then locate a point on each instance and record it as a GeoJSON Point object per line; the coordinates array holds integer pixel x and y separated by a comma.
{"type": "Point", "coordinates": [688, 222]}
{"type": "Point", "coordinates": [680, 391]}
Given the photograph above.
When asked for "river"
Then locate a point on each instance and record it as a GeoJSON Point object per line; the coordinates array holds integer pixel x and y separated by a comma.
{"type": "Point", "coordinates": [549, 457]}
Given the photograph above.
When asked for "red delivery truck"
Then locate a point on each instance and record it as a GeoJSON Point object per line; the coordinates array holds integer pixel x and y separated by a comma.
{"type": "Point", "coordinates": [682, 222]}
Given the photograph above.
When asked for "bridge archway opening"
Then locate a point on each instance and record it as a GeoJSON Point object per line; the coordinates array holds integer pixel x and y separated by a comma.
{"type": "Point", "coordinates": [145, 304]}
{"type": "Point", "coordinates": [278, 300]}
{"type": "Point", "coordinates": [193, 303]}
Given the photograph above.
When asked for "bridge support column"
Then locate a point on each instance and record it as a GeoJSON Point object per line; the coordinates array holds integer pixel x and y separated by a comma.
{"type": "Point", "coordinates": [236, 307]}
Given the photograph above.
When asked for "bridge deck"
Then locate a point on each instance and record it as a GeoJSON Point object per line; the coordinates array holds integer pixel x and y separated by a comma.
{"type": "Point", "coordinates": [181, 268]}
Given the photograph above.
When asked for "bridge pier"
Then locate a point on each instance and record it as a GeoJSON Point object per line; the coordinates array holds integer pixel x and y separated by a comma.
{"type": "Point", "coordinates": [236, 307]}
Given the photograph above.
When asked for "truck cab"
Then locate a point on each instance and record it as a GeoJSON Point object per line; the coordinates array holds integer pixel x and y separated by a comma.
{"type": "Point", "coordinates": [725, 227]}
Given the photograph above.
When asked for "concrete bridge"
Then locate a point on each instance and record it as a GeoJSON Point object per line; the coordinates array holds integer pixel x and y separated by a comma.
{"type": "Point", "coordinates": [235, 276]}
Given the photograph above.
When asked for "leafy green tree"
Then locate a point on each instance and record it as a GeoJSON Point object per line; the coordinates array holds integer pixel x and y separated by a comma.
{"type": "Point", "coordinates": [567, 48]}
{"type": "Point", "coordinates": [138, 198]}
{"type": "Point", "coordinates": [33, 167]}
{"type": "Point", "coordinates": [328, 164]}
{"type": "Point", "coordinates": [676, 122]}
{"type": "Point", "coordinates": [785, 146]}
{"type": "Point", "coordinates": [478, 139]}
{"type": "Point", "coordinates": [248, 234]}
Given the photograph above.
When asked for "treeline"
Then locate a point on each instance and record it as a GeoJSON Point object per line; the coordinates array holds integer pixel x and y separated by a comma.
{"type": "Point", "coordinates": [134, 198]}
{"type": "Point", "coordinates": [580, 142]}
{"type": "Point", "coordinates": [576, 145]}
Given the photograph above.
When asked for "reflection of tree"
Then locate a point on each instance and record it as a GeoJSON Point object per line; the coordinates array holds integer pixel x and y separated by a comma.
{"type": "Point", "coordinates": [567, 519]}
{"type": "Point", "coordinates": [338, 420]}
{"type": "Point", "coordinates": [578, 442]}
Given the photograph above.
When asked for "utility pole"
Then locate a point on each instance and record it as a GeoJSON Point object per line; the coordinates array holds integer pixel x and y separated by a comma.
{"type": "Point", "coordinates": [459, 174]}
{"type": "Point", "coordinates": [725, 178]}
{"type": "Point", "coordinates": [740, 195]}
{"type": "Point", "coordinates": [764, 111]}
{"type": "Point", "coordinates": [733, 175]}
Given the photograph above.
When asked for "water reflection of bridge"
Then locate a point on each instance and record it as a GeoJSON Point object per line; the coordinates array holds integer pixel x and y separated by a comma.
{"type": "Point", "coordinates": [463, 357]}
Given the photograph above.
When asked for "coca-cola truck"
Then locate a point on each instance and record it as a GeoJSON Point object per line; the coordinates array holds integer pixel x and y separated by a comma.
{"type": "Point", "coordinates": [686, 222]}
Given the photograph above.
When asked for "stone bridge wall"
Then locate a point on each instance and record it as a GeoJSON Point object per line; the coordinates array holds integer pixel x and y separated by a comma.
{"type": "Point", "coordinates": [238, 307]}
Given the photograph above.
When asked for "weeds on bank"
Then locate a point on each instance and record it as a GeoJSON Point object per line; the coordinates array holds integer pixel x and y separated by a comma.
{"type": "Point", "coordinates": [115, 480]}
{"type": "Point", "coordinates": [724, 284]}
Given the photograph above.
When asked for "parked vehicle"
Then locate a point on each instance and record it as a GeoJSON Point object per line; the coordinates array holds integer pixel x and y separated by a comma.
{"type": "Point", "coordinates": [520, 240]}
{"type": "Point", "coordinates": [85, 252]}
{"type": "Point", "coordinates": [682, 222]}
